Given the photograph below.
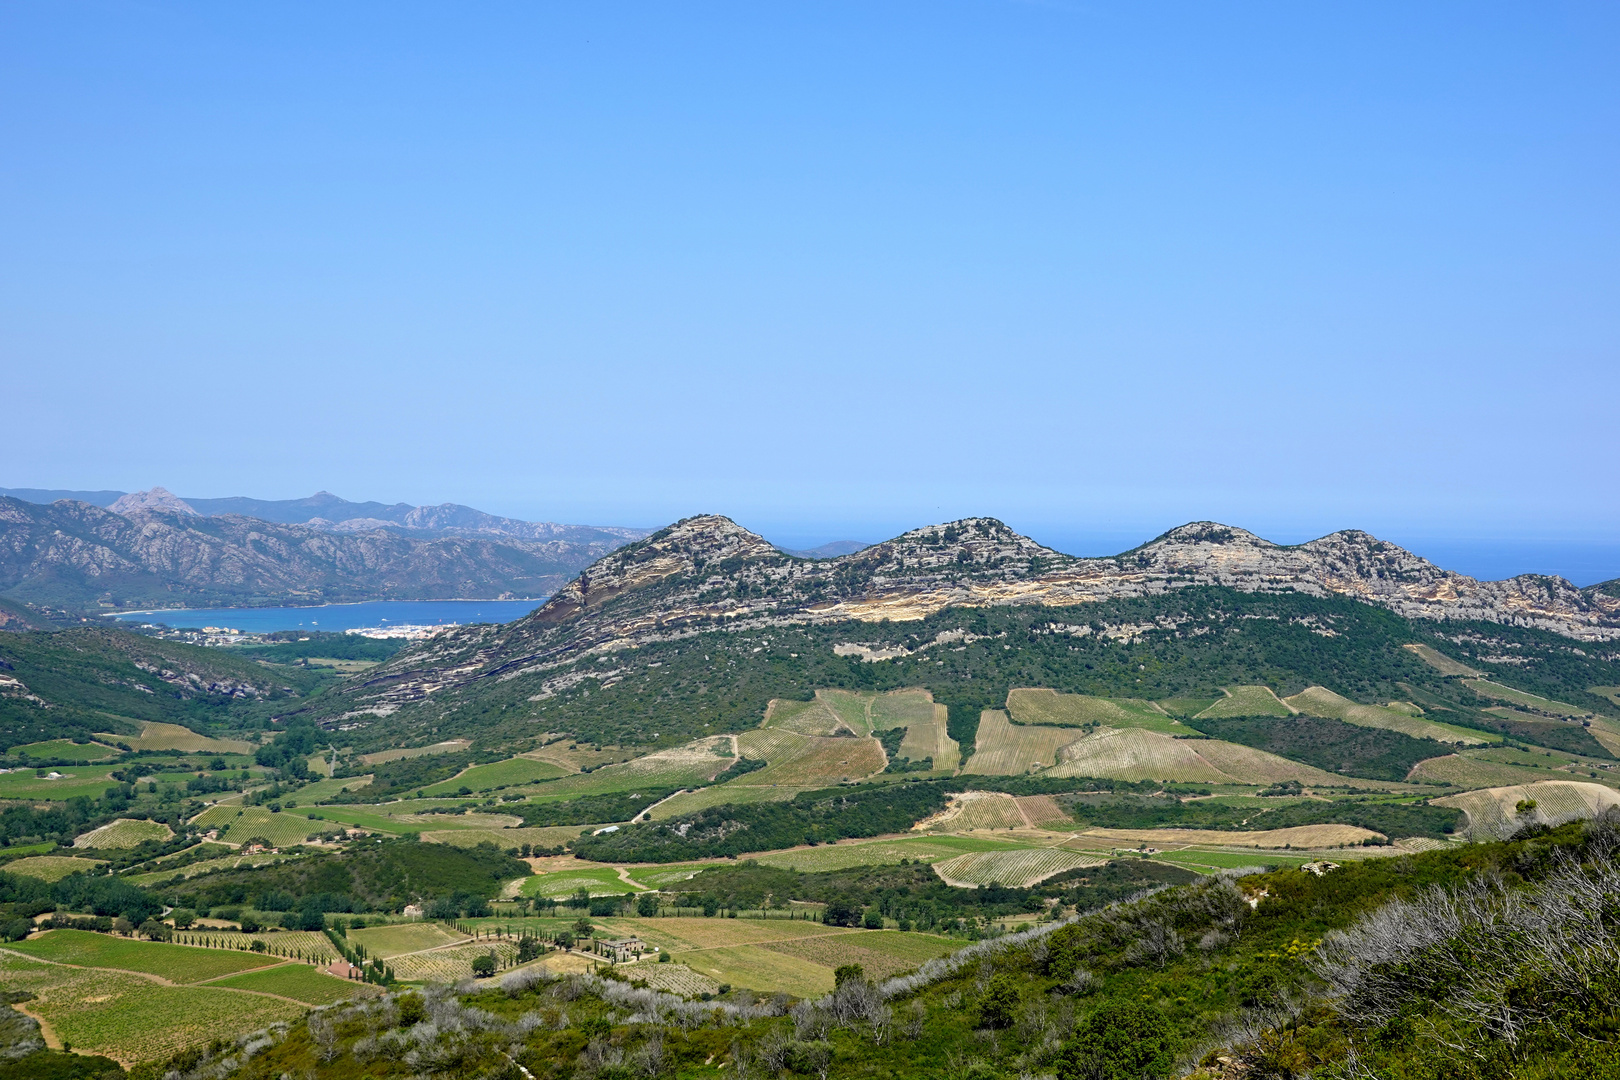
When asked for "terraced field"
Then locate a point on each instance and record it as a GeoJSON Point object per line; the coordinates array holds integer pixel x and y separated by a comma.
{"type": "Point", "coordinates": [1005, 749]}
{"type": "Point", "coordinates": [1018, 869]}
{"type": "Point", "coordinates": [1320, 701]}
{"type": "Point", "coordinates": [50, 867]}
{"type": "Point", "coordinates": [1247, 701]}
{"type": "Point", "coordinates": [1493, 812]}
{"type": "Point", "coordinates": [1028, 706]}
{"type": "Point", "coordinates": [499, 774]}
{"type": "Point", "coordinates": [129, 1017]}
{"type": "Point", "coordinates": [123, 833]}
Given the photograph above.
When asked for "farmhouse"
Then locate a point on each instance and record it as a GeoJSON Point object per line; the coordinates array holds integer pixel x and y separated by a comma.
{"type": "Point", "coordinates": [620, 949]}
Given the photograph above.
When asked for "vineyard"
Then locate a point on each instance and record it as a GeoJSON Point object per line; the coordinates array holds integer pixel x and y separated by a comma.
{"type": "Point", "coordinates": [308, 946]}
{"type": "Point", "coordinates": [1495, 812]}
{"type": "Point", "coordinates": [451, 963]}
{"type": "Point", "coordinates": [671, 978]}
{"type": "Point", "coordinates": [123, 833]}
{"type": "Point", "coordinates": [1080, 710]}
{"type": "Point", "coordinates": [1247, 701]}
{"type": "Point", "coordinates": [1019, 869]}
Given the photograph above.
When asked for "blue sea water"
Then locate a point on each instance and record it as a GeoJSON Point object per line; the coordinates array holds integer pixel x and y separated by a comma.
{"type": "Point", "coordinates": [338, 617]}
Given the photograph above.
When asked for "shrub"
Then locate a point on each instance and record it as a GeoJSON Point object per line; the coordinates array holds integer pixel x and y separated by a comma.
{"type": "Point", "coordinates": [1122, 1040]}
{"type": "Point", "coordinates": [998, 1008]}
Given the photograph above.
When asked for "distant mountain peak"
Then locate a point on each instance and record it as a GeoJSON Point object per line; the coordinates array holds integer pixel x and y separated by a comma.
{"type": "Point", "coordinates": [157, 499]}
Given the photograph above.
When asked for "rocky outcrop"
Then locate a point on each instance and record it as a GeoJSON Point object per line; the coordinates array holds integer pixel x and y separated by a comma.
{"type": "Point", "coordinates": [158, 499]}
{"type": "Point", "coordinates": [708, 573]}
{"type": "Point", "coordinates": [78, 555]}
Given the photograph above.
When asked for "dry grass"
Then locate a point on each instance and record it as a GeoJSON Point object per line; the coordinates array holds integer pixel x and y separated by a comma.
{"type": "Point", "coordinates": [1320, 701]}
{"type": "Point", "coordinates": [760, 968]}
{"type": "Point", "coordinates": [1005, 749]}
{"type": "Point", "coordinates": [1029, 706]}
{"type": "Point", "coordinates": [1442, 663]}
{"type": "Point", "coordinates": [1493, 813]}
{"type": "Point", "coordinates": [155, 736]}
{"type": "Point", "coordinates": [1135, 754]}
{"type": "Point", "coordinates": [1247, 701]}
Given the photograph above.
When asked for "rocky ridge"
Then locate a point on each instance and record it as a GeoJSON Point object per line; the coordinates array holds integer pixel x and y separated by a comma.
{"type": "Point", "coordinates": [707, 573]}
{"type": "Point", "coordinates": [75, 554]}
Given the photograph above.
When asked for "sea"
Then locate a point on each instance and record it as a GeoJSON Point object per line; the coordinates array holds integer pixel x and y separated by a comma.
{"type": "Point", "coordinates": [339, 617]}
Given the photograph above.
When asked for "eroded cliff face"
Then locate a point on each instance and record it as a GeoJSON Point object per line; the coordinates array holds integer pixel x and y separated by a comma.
{"type": "Point", "coordinates": [707, 573]}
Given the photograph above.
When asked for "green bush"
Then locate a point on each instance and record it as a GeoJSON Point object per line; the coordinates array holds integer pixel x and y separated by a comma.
{"type": "Point", "coordinates": [1122, 1040]}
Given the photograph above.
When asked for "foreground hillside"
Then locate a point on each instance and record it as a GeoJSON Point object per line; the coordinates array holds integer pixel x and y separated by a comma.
{"type": "Point", "coordinates": [1492, 961]}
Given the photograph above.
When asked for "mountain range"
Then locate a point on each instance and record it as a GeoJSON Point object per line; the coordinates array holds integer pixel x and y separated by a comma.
{"type": "Point", "coordinates": [707, 579]}
{"type": "Point", "coordinates": [155, 550]}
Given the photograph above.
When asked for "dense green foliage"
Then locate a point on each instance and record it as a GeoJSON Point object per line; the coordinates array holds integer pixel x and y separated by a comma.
{"type": "Point", "coordinates": [372, 875]}
{"type": "Point", "coordinates": [56, 1065]}
{"type": "Point", "coordinates": [1333, 745]}
{"type": "Point", "coordinates": [1393, 819]}
{"type": "Point", "coordinates": [1210, 637]}
{"type": "Point", "coordinates": [288, 646]}
{"type": "Point", "coordinates": [814, 817]}
{"type": "Point", "coordinates": [912, 894]}
{"type": "Point", "coordinates": [89, 682]}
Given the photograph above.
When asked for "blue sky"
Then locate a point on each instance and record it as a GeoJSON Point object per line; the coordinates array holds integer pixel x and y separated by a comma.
{"type": "Point", "coordinates": [833, 269]}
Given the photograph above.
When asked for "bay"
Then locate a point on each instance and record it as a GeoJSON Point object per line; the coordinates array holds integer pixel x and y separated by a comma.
{"type": "Point", "coordinates": [339, 617]}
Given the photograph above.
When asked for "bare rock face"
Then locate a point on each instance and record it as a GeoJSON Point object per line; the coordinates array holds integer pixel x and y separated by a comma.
{"type": "Point", "coordinates": [159, 499]}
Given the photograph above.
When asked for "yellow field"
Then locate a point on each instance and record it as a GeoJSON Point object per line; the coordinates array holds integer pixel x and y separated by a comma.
{"type": "Point", "coordinates": [1247, 701]}
{"type": "Point", "coordinates": [764, 969]}
{"type": "Point", "coordinates": [1320, 701]}
{"type": "Point", "coordinates": [1029, 706]}
{"type": "Point", "coordinates": [1493, 813]}
{"type": "Point", "coordinates": [50, 867]}
{"type": "Point", "coordinates": [1442, 663]}
{"type": "Point", "coordinates": [1146, 755]}
{"type": "Point", "coordinates": [1043, 811]}
{"type": "Point", "coordinates": [1005, 749]}
{"type": "Point", "coordinates": [155, 736]}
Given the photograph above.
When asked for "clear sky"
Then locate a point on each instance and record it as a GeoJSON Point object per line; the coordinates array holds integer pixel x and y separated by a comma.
{"type": "Point", "coordinates": [833, 269]}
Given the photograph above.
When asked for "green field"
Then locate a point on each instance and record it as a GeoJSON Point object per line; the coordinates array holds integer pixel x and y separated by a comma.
{"type": "Point", "coordinates": [301, 982]}
{"type": "Point", "coordinates": [129, 1017]}
{"type": "Point", "coordinates": [72, 780]}
{"type": "Point", "coordinates": [600, 881]}
{"type": "Point", "coordinates": [1320, 701]}
{"type": "Point", "coordinates": [226, 862]}
{"type": "Point", "coordinates": [158, 736]}
{"type": "Point", "coordinates": [66, 748]}
{"type": "Point", "coordinates": [497, 774]}
{"type": "Point", "coordinates": [176, 963]}
{"type": "Point", "coordinates": [50, 867]}
{"type": "Point", "coordinates": [238, 824]}
{"type": "Point", "coordinates": [329, 789]}
{"type": "Point", "coordinates": [1247, 701]}
{"type": "Point", "coordinates": [1487, 689]}
{"type": "Point", "coordinates": [690, 802]}
{"type": "Point", "coordinates": [663, 875]}
{"type": "Point", "coordinates": [1227, 860]}
{"type": "Point", "coordinates": [549, 836]}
